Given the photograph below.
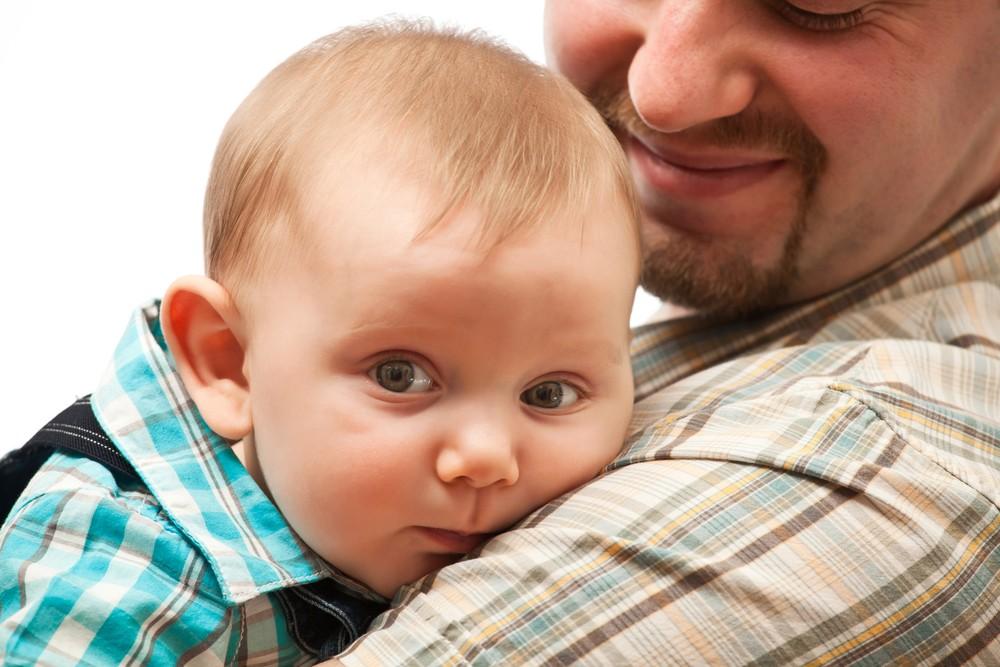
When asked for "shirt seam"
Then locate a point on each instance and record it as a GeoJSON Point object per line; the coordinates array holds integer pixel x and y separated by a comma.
{"type": "Point", "coordinates": [100, 492]}
{"type": "Point", "coordinates": [861, 396]}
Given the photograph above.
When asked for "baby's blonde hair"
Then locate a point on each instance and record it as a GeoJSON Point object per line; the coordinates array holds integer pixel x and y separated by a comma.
{"type": "Point", "coordinates": [485, 125]}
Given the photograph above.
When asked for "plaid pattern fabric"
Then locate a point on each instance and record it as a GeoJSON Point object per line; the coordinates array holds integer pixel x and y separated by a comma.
{"type": "Point", "coordinates": [98, 570]}
{"type": "Point", "coordinates": [817, 486]}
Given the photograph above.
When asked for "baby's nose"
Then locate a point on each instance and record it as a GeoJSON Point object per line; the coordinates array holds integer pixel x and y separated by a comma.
{"type": "Point", "coordinates": [480, 453]}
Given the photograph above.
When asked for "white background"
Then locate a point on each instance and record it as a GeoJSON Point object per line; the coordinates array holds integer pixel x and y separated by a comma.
{"type": "Point", "coordinates": [109, 115]}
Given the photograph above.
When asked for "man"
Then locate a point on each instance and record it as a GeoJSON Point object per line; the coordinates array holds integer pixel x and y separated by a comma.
{"type": "Point", "coordinates": [814, 470]}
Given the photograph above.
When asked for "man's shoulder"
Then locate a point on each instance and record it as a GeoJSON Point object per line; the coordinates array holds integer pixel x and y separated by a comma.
{"type": "Point", "coordinates": [924, 389]}
{"type": "Point", "coordinates": [773, 499]}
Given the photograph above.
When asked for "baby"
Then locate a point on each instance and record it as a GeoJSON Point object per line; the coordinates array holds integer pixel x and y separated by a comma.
{"type": "Point", "coordinates": [421, 255]}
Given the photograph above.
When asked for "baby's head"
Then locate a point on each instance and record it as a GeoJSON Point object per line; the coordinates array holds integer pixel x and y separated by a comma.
{"type": "Point", "coordinates": [421, 253]}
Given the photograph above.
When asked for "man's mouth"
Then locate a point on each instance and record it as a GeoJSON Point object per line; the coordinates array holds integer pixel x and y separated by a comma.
{"type": "Point", "coordinates": [703, 173]}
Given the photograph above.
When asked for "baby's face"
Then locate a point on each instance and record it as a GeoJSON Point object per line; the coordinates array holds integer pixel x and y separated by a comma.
{"type": "Point", "coordinates": [411, 399]}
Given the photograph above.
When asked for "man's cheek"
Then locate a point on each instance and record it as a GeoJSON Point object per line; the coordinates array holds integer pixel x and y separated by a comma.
{"type": "Point", "coordinates": [588, 41]}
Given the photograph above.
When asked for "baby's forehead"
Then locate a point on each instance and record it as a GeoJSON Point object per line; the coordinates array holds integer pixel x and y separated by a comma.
{"type": "Point", "coordinates": [419, 250]}
{"type": "Point", "coordinates": [383, 195]}
{"type": "Point", "coordinates": [535, 292]}
{"type": "Point", "coordinates": [370, 273]}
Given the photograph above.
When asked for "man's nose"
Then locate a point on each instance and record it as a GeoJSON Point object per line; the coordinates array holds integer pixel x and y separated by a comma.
{"type": "Point", "coordinates": [694, 66]}
{"type": "Point", "coordinates": [479, 451]}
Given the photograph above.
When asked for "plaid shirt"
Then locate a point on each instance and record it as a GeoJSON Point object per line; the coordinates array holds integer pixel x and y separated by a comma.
{"type": "Point", "coordinates": [193, 565]}
{"type": "Point", "coordinates": [817, 486]}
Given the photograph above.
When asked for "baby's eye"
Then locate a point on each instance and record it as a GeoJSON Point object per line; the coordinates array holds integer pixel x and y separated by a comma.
{"type": "Point", "coordinates": [550, 395]}
{"type": "Point", "coordinates": [401, 376]}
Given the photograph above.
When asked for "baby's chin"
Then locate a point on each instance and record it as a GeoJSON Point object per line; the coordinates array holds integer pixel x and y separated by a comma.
{"type": "Point", "coordinates": [388, 581]}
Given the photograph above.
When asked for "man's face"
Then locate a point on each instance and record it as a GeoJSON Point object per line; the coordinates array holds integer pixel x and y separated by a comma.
{"type": "Point", "coordinates": [409, 398]}
{"type": "Point", "coordinates": [784, 149]}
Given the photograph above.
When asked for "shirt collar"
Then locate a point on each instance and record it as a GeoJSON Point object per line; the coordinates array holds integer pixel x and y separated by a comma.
{"type": "Point", "coordinates": [964, 250]}
{"type": "Point", "coordinates": [193, 473]}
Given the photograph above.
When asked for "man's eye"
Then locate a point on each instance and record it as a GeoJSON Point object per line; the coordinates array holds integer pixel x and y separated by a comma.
{"type": "Point", "coordinates": [550, 395]}
{"type": "Point", "coordinates": [401, 376]}
{"type": "Point", "coordinates": [816, 21]}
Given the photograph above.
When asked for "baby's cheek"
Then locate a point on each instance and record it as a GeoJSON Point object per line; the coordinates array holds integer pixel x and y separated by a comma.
{"type": "Point", "coordinates": [304, 489]}
{"type": "Point", "coordinates": [595, 443]}
{"type": "Point", "coordinates": [370, 467]}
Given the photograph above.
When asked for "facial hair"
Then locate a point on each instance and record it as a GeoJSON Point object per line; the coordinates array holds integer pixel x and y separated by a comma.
{"type": "Point", "coordinates": [703, 273]}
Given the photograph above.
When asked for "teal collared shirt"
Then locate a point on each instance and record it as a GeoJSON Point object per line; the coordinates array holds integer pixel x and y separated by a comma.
{"type": "Point", "coordinates": [190, 565]}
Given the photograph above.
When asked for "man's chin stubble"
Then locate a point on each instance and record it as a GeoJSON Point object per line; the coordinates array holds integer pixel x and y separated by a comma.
{"type": "Point", "coordinates": [717, 281]}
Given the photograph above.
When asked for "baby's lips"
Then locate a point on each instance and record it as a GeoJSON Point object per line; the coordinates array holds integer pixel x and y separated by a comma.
{"type": "Point", "coordinates": [456, 542]}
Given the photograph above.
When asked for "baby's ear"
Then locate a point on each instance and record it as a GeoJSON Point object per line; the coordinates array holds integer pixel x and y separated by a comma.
{"type": "Point", "coordinates": [205, 334]}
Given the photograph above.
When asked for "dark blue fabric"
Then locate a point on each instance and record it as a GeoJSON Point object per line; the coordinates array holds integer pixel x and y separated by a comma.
{"type": "Point", "coordinates": [75, 429]}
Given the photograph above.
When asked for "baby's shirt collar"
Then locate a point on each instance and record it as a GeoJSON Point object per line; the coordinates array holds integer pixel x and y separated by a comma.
{"type": "Point", "coordinates": [193, 473]}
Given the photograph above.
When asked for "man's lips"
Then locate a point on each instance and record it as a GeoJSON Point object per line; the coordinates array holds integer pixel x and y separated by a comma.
{"type": "Point", "coordinates": [450, 541]}
{"type": "Point", "coordinates": [698, 174]}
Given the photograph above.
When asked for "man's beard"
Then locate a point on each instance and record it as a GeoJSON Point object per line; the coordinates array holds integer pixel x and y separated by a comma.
{"type": "Point", "coordinates": [700, 272]}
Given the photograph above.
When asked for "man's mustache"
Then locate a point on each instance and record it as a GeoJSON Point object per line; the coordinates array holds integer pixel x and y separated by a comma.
{"type": "Point", "coordinates": [750, 129]}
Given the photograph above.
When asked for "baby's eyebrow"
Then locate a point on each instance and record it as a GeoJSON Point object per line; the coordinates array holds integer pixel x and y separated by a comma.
{"type": "Point", "coordinates": [601, 347]}
{"type": "Point", "coordinates": [373, 332]}
{"type": "Point", "coordinates": [426, 335]}
{"type": "Point", "coordinates": [393, 314]}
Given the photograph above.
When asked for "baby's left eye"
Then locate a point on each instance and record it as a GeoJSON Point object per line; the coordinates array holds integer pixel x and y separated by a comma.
{"type": "Point", "coordinates": [401, 376]}
{"type": "Point", "coordinates": [550, 395]}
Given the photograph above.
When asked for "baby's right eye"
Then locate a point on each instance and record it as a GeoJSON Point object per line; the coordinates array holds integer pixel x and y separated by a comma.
{"type": "Point", "coordinates": [550, 395]}
{"type": "Point", "coordinates": [401, 376]}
